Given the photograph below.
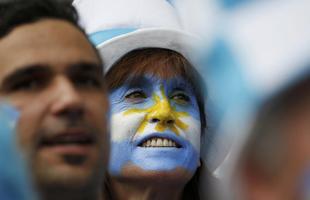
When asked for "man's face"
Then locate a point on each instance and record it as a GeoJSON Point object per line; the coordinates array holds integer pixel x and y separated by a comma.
{"type": "Point", "coordinates": [155, 127]}
{"type": "Point", "coordinates": [52, 75]}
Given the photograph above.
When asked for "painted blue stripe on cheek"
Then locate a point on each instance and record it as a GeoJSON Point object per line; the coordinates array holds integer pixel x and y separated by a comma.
{"type": "Point", "coordinates": [119, 156]}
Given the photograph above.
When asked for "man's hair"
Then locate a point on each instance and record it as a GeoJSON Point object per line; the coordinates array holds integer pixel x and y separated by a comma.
{"type": "Point", "coordinates": [14, 13]}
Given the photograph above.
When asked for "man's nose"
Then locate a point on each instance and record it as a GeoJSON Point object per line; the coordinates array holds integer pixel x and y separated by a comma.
{"type": "Point", "coordinates": [68, 100]}
{"type": "Point", "coordinates": [163, 114]}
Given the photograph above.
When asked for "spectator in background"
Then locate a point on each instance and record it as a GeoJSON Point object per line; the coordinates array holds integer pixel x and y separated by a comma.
{"type": "Point", "coordinates": [54, 77]}
{"type": "Point", "coordinates": [256, 53]}
{"type": "Point", "coordinates": [276, 158]}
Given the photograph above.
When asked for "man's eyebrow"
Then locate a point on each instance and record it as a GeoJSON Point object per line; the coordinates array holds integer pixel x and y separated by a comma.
{"type": "Point", "coordinates": [25, 71]}
{"type": "Point", "coordinates": [86, 67]}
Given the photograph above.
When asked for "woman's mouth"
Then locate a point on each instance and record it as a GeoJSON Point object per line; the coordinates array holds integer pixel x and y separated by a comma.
{"type": "Point", "coordinates": [159, 142]}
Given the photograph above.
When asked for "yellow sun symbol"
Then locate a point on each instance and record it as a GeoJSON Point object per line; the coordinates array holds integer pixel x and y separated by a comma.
{"type": "Point", "coordinates": [162, 111]}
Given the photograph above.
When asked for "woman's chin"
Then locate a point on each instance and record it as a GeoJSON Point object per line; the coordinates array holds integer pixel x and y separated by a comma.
{"type": "Point", "coordinates": [174, 176]}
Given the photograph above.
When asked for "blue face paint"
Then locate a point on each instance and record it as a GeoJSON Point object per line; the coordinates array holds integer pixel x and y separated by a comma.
{"type": "Point", "coordinates": [155, 159]}
{"type": "Point", "coordinates": [142, 134]}
{"type": "Point", "coordinates": [179, 84]}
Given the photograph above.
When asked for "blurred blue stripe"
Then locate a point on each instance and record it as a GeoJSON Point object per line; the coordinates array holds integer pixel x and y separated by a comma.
{"type": "Point", "coordinates": [102, 36]}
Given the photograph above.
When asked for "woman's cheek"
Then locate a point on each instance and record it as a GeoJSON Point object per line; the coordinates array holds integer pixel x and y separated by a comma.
{"type": "Point", "coordinates": [193, 132]}
{"type": "Point", "coordinates": [124, 127]}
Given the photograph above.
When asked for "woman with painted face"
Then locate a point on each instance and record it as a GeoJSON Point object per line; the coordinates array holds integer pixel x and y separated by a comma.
{"type": "Point", "coordinates": [157, 106]}
{"type": "Point", "coordinates": [157, 123]}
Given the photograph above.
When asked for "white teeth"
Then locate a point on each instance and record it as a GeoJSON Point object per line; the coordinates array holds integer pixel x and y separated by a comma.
{"type": "Point", "coordinates": [159, 142]}
{"type": "Point", "coordinates": [153, 143]}
{"type": "Point", "coordinates": [165, 143]}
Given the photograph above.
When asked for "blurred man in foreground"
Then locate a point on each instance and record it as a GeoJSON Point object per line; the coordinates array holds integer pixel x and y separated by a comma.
{"type": "Point", "coordinates": [52, 74]}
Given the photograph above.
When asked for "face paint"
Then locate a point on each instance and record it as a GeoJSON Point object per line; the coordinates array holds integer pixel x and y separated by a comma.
{"type": "Point", "coordinates": [155, 125]}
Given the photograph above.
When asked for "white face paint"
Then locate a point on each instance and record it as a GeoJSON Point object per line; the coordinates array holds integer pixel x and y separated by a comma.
{"type": "Point", "coordinates": [155, 125]}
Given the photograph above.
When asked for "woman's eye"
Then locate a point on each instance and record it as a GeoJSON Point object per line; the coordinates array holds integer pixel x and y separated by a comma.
{"type": "Point", "coordinates": [136, 96]}
{"type": "Point", "coordinates": [181, 98]}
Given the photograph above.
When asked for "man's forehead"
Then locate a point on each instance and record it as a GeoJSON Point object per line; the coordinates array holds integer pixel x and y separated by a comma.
{"type": "Point", "coordinates": [46, 28]}
{"type": "Point", "coordinates": [48, 42]}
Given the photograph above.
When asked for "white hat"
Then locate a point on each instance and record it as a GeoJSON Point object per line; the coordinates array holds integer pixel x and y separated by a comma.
{"type": "Point", "coordinates": [120, 26]}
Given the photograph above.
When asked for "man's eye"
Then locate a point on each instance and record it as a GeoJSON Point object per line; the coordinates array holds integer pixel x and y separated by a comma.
{"type": "Point", "coordinates": [136, 96]}
{"type": "Point", "coordinates": [180, 98]}
{"type": "Point", "coordinates": [27, 85]}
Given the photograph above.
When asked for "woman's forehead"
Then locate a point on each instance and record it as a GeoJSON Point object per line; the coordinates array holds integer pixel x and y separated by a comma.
{"type": "Point", "coordinates": [151, 79]}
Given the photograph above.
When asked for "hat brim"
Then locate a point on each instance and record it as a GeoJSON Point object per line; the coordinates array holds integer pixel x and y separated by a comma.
{"type": "Point", "coordinates": [112, 50]}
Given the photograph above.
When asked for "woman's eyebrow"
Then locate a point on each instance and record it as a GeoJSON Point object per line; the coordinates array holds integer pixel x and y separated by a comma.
{"type": "Point", "coordinates": [139, 81]}
{"type": "Point", "coordinates": [179, 84]}
{"type": "Point", "coordinates": [179, 88]}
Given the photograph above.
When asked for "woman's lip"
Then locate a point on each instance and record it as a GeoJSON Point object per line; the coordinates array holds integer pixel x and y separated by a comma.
{"type": "Point", "coordinates": [172, 137]}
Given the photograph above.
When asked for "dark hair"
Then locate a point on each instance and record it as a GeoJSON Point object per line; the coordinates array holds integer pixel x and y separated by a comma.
{"type": "Point", "coordinates": [168, 64]}
{"type": "Point", "coordinates": [14, 13]}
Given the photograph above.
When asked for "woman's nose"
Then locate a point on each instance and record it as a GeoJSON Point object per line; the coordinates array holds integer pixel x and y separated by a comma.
{"type": "Point", "coordinates": [162, 114]}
